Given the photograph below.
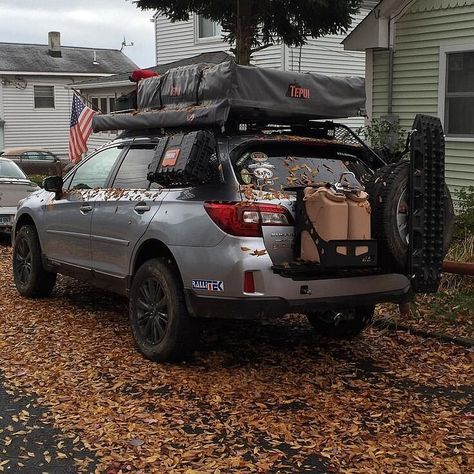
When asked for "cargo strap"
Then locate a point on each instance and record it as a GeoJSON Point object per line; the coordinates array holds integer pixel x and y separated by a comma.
{"type": "Point", "coordinates": [426, 217]}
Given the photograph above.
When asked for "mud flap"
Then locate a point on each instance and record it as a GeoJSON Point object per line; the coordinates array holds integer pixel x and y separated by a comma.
{"type": "Point", "coordinates": [427, 194]}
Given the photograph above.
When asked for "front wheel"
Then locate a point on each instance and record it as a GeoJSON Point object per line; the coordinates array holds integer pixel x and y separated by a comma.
{"type": "Point", "coordinates": [31, 279]}
{"type": "Point", "coordinates": [343, 324]}
{"type": "Point", "coordinates": [160, 323]}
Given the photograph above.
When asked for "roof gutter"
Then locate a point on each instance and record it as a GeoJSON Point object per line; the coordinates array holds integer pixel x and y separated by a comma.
{"type": "Point", "coordinates": [37, 73]}
{"type": "Point", "coordinates": [94, 85]}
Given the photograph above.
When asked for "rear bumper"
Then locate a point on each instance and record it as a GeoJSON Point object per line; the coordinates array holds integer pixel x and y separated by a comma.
{"type": "Point", "coordinates": [336, 293]}
{"type": "Point", "coordinates": [7, 217]}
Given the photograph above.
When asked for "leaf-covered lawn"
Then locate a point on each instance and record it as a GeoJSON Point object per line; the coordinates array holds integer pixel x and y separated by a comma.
{"type": "Point", "coordinates": [263, 398]}
{"type": "Point", "coordinates": [449, 312]}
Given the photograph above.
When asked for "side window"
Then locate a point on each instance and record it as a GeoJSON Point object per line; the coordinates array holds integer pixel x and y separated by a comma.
{"type": "Point", "coordinates": [46, 156]}
{"type": "Point", "coordinates": [134, 168]}
{"type": "Point", "coordinates": [95, 171]}
{"type": "Point", "coordinates": [37, 155]}
{"type": "Point", "coordinates": [30, 155]}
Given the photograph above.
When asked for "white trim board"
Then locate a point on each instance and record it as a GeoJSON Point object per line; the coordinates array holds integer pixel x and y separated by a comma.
{"type": "Point", "coordinates": [443, 51]}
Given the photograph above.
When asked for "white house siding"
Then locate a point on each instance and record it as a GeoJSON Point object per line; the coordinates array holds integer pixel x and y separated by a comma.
{"type": "Point", "coordinates": [426, 26]}
{"type": "Point", "coordinates": [177, 40]}
{"type": "Point", "coordinates": [27, 126]}
{"type": "Point", "coordinates": [327, 56]}
{"type": "Point", "coordinates": [324, 55]}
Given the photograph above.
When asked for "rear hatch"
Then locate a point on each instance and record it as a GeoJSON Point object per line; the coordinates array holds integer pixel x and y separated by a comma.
{"type": "Point", "coordinates": [266, 171]}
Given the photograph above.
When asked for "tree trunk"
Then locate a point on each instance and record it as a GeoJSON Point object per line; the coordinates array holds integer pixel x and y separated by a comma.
{"type": "Point", "coordinates": [245, 32]}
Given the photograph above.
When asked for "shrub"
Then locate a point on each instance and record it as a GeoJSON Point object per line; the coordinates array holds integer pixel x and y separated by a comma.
{"type": "Point", "coordinates": [464, 224]}
{"type": "Point", "coordinates": [385, 134]}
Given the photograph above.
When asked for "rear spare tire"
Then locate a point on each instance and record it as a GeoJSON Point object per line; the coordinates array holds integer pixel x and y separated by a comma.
{"type": "Point", "coordinates": [389, 199]}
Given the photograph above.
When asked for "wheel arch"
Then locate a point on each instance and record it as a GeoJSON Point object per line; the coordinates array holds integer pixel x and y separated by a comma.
{"type": "Point", "coordinates": [22, 220]}
{"type": "Point", "coordinates": [152, 248]}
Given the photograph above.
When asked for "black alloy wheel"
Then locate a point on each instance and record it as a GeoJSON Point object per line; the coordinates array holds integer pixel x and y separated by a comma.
{"type": "Point", "coordinates": [31, 278]}
{"type": "Point", "coordinates": [23, 260]}
{"type": "Point", "coordinates": [152, 311]}
{"type": "Point", "coordinates": [161, 325]}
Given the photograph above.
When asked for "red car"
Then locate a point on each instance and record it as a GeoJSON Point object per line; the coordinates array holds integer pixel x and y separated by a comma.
{"type": "Point", "coordinates": [35, 160]}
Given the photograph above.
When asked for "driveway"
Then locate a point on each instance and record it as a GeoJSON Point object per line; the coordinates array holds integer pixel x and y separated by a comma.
{"type": "Point", "coordinates": [257, 397]}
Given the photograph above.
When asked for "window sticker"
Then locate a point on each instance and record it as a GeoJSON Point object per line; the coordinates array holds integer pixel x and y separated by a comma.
{"type": "Point", "coordinates": [263, 173]}
{"type": "Point", "coordinates": [259, 157]}
{"type": "Point", "coordinates": [246, 176]}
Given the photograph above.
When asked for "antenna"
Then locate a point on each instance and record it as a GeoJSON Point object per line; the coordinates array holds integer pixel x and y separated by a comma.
{"type": "Point", "coordinates": [124, 44]}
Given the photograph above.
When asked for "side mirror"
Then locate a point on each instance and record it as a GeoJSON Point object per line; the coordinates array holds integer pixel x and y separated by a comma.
{"type": "Point", "coordinates": [53, 184]}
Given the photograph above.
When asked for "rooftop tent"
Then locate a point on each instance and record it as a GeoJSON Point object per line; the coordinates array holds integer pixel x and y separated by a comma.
{"type": "Point", "coordinates": [213, 94]}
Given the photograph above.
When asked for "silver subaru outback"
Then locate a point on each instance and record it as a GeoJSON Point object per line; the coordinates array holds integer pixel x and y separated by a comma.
{"type": "Point", "coordinates": [223, 245]}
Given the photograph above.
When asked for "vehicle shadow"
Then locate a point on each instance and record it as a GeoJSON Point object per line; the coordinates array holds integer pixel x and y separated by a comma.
{"type": "Point", "coordinates": [238, 342]}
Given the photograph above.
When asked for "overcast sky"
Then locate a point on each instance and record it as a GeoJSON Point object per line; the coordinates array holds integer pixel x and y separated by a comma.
{"type": "Point", "coordinates": [91, 23]}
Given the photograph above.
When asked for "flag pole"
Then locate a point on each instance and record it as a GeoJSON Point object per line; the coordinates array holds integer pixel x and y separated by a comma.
{"type": "Point", "coordinates": [87, 101]}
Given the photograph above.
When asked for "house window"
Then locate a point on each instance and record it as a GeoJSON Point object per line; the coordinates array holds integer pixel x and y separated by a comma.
{"type": "Point", "coordinates": [207, 29]}
{"type": "Point", "coordinates": [459, 94]}
{"type": "Point", "coordinates": [44, 97]}
{"type": "Point", "coordinates": [104, 105]}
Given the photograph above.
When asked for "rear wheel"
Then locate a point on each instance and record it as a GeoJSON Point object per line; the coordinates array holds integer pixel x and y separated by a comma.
{"type": "Point", "coordinates": [343, 324]}
{"type": "Point", "coordinates": [160, 323]}
{"type": "Point", "coordinates": [31, 279]}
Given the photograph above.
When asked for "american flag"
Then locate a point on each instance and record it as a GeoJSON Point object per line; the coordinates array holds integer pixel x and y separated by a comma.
{"type": "Point", "coordinates": [81, 128]}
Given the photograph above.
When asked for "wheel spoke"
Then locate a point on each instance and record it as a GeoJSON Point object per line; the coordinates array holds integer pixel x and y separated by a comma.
{"type": "Point", "coordinates": [142, 304]}
{"type": "Point", "coordinates": [152, 311]}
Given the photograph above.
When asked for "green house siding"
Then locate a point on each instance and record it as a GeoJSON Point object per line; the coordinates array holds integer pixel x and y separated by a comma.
{"type": "Point", "coordinates": [427, 25]}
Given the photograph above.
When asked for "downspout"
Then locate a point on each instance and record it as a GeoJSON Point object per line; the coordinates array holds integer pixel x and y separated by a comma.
{"type": "Point", "coordinates": [390, 68]}
{"type": "Point", "coordinates": [390, 81]}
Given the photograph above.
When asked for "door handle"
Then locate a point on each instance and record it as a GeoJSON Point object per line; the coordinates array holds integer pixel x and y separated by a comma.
{"type": "Point", "coordinates": [141, 208]}
{"type": "Point", "coordinates": [85, 208]}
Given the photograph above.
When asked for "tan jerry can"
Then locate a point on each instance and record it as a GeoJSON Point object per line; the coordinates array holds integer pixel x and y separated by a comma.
{"type": "Point", "coordinates": [359, 218]}
{"type": "Point", "coordinates": [329, 215]}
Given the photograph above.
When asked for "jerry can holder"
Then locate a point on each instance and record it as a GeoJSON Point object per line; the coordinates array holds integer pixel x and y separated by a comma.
{"type": "Point", "coordinates": [330, 257]}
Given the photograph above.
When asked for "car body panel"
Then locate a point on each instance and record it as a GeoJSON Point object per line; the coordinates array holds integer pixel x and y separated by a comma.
{"type": "Point", "coordinates": [12, 190]}
{"type": "Point", "coordinates": [119, 220]}
{"type": "Point", "coordinates": [107, 239]}
{"type": "Point", "coordinates": [65, 226]}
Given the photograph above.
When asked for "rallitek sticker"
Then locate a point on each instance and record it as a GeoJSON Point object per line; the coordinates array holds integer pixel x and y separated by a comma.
{"type": "Point", "coordinates": [209, 285]}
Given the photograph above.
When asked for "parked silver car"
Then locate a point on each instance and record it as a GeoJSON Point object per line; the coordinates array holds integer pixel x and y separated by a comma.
{"type": "Point", "coordinates": [14, 186]}
{"type": "Point", "coordinates": [215, 249]}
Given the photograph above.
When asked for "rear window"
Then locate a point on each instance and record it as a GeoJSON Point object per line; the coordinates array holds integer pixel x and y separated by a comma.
{"type": "Point", "coordinates": [134, 168]}
{"type": "Point", "coordinates": [275, 167]}
{"type": "Point", "coordinates": [10, 170]}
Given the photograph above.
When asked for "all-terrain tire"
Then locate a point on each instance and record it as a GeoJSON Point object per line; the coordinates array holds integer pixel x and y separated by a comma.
{"type": "Point", "coordinates": [161, 325]}
{"type": "Point", "coordinates": [343, 324]}
{"type": "Point", "coordinates": [385, 189]}
{"type": "Point", "coordinates": [31, 278]}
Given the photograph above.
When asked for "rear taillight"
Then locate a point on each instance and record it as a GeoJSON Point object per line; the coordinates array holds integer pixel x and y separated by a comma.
{"type": "Point", "coordinates": [246, 220]}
